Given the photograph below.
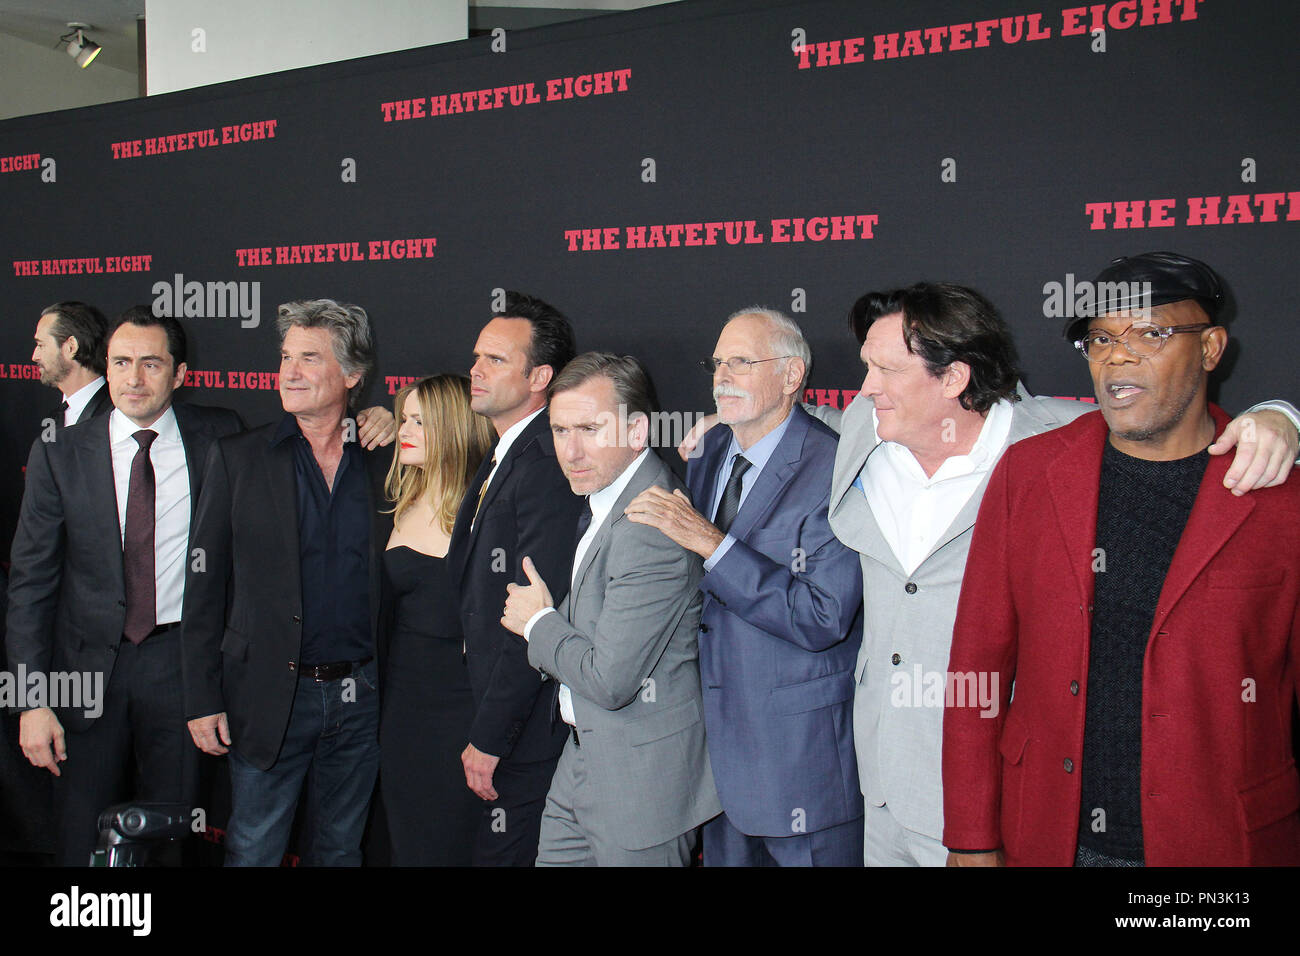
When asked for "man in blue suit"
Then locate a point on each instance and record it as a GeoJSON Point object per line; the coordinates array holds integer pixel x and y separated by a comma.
{"type": "Point", "coordinates": [780, 628]}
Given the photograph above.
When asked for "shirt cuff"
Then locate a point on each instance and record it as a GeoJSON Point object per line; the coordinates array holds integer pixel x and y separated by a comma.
{"type": "Point", "coordinates": [528, 628]}
{"type": "Point", "coordinates": [718, 554]}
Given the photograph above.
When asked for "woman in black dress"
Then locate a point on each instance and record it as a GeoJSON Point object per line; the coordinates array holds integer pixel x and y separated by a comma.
{"type": "Point", "coordinates": [427, 706]}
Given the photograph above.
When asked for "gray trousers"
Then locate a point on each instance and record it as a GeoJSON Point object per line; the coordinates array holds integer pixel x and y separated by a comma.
{"type": "Point", "coordinates": [567, 839]}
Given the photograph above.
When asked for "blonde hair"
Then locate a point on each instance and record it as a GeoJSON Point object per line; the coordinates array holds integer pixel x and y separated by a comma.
{"type": "Point", "coordinates": [456, 439]}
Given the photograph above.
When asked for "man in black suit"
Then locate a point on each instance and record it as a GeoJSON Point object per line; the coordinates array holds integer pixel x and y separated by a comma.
{"type": "Point", "coordinates": [69, 351]}
{"type": "Point", "coordinates": [96, 586]}
{"type": "Point", "coordinates": [280, 624]}
{"type": "Point", "coordinates": [518, 505]}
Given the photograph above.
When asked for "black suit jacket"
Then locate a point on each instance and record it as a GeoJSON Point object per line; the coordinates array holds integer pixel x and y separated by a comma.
{"type": "Point", "coordinates": [101, 404]}
{"type": "Point", "coordinates": [67, 593]}
{"type": "Point", "coordinates": [528, 511]}
{"type": "Point", "coordinates": [242, 630]}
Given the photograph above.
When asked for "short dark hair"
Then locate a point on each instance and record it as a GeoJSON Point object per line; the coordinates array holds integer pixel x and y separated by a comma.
{"type": "Point", "coordinates": [552, 340]}
{"type": "Point", "coordinates": [632, 386]}
{"type": "Point", "coordinates": [144, 317]}
{"type": "Point", "coordinates": [945, 323]}
{"type": "Point", "coordinates": [87, 325]}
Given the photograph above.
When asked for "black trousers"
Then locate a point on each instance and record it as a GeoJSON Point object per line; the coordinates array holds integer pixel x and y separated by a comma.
{"type": "Point", "coordinates": [139, 748]}
{"type": "Point", "coordinates": [511, 825]}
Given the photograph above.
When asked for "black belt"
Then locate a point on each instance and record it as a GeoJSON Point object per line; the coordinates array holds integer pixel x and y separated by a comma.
{"type": "Point", "coordinates": [160, 629]}
{"type": "Point", "coordinates": [328, 672]}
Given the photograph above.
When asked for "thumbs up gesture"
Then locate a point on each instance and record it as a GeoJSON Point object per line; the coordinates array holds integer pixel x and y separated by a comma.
{"type": "Point", "coordinates": [525, 600]}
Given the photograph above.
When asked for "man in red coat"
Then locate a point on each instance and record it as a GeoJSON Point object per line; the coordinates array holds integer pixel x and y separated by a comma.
{"type": "Point", "coordinates": [1147, 617]}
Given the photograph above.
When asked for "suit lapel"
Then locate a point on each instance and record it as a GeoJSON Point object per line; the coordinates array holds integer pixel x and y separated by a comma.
{"type": "Point", "coordinates": [702, 474]}
{"type": "Point", "coordinates": [780, 468]}
{"type": "Point", "coordinates": [458, 547]}
{"type": "Point", "coordinates": [282, 494]}
{"type": "Point", "coordinates": [1215, 518]}
{"type": "Point", "coordinates": [850, 510]}
{"type": "Point", "coordinates": [1073, 491]}
{"type": "Point", "coordinates": [465, 523]}
{"type": "Point", "coordinates": [651, 470]}
{"type": "Point", "coordinates": [1023, 425]}
{"type": "Point", "coordinates": [196, 436]}
{"type": "Point", "coordinates": [97, 467]}
{"type": "Point", "coordinates": [99, 402]}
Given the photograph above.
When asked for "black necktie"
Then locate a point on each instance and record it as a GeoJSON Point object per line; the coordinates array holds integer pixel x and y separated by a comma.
{"type": "Point", "coordinates": [63, 412]}
{"type": "Point", "coordinates": [730, 502]}
{"type": "Point", "coordinates": [137, 544]}
{"type": "Point", "coordinates": [584, 522]}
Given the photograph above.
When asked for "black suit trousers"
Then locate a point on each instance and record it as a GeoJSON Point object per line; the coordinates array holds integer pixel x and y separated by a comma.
{"type": "Point", "coordinates": [139, 748]}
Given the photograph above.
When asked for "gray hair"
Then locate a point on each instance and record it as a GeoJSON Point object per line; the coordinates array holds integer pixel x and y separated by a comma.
{"type": "Point", "coordinates": [349, 329]}
{"type": "Point", "coordinates": [784, 335]}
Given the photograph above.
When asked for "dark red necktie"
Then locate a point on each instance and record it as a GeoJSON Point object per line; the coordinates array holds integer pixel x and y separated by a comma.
{"type": "Point", "coordinates": [137, 544]}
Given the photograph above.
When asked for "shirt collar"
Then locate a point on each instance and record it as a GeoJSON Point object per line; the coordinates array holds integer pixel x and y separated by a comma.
{"type": "Point", "coordinates": [513, 432]}
{"type": "Point", "coordinates": [79, 399]}
{"type": "Point", "coordinates": [758, 453]}
{"type": "Point", "coordinates": [981, 457]}
{"type": "Point", "coordinates": [602, 501]}
{"type": "Point", "coordinates": [121, 428]}
{"type": "Point", "coordinates": [288, 428]}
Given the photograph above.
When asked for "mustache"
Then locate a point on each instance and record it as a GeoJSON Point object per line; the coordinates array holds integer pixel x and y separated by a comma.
{"type": "Point", "coordinates": [729, 391]}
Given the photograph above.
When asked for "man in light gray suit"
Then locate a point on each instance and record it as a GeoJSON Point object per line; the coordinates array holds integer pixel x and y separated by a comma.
{"type": "Point", "coordinates": [634, 781]}
{"type": "Point", "coordinates": [938, 407]}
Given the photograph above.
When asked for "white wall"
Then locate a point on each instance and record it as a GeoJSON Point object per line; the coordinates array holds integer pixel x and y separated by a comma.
{"type": "Point", "coordinates": [252, 37]}
{"type": "Point", "coordinates": [37, 79]}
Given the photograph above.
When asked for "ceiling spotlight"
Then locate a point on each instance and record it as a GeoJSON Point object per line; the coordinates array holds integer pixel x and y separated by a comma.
{"type": "Point", "coordinates": [79, 48]}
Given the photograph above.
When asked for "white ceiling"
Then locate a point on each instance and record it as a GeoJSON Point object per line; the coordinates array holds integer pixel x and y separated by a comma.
{"type": "Point", "coordinates": [44, 21]}
{"type": "Point", "coordinates": [113, 22]}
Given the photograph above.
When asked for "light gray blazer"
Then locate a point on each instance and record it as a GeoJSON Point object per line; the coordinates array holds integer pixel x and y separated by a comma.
{"type": "Point", "coordinates": [909, 620]}
{"type": "Point", "coordinates": [624, 641]}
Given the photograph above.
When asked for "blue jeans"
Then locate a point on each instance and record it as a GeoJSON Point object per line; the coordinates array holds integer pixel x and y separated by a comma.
{"type": "Point", "coordinates": [333, 735]}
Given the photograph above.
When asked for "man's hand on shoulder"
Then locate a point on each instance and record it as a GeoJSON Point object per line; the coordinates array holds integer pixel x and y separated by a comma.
{"type": "Point", "coordinates": [673, 515]}
{"type": "Point", "coordinates": [41, 737]}
{"type": "Point", "coordinates": [1266, 443]}
{"type": "Point", "coordinates": [376, 427]}
{"type": "Point", "coordinates": [206, 730]}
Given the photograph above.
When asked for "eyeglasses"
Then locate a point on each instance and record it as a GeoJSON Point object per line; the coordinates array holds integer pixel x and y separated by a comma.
{"type": "Point", "coordinates": [1141, 339]}
{"type": "Point", "coordinates": [737, 366]}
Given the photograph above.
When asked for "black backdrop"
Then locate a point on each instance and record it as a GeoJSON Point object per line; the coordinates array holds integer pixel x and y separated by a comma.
{"type": "Point", "coordinates": [978, 166]}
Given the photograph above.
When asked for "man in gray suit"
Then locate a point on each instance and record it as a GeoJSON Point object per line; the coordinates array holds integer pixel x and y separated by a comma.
{"type": "Point", "coordinates": [938, 407]}
{"type": "Point", "coordinates": [634, 779]}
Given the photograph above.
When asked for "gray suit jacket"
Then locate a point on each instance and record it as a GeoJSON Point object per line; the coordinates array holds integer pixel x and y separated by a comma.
{"type": "Point", "coordinates": [624, 641]}
{"type": "Point", "coordinates": [907, 625]}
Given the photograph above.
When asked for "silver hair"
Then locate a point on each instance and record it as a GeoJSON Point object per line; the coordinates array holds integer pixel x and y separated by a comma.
{"type": "Point", "coordinates": [349, 329]}
{"type": "Point", "coordinates": [784, 335]}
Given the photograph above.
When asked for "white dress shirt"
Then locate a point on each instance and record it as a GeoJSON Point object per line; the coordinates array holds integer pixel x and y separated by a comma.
{"type": "Point", "coordinates": [79, 399]}
{"type": "Point", "coordinates": [913, 510]}
{"type": "Point", "coordinates": [601, 503]}
{"type": "Point", "coordinates": [171, 536]}
{"type": "Point", "coordinates": [503, 449]}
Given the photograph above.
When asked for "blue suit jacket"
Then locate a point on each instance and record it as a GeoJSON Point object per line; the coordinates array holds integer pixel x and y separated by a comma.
{"type": "Point", "coordinates": [779, 635]}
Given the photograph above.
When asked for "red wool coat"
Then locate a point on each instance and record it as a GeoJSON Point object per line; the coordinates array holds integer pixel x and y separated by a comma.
{"type": "Point", "coordinates": [1219, 781]}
